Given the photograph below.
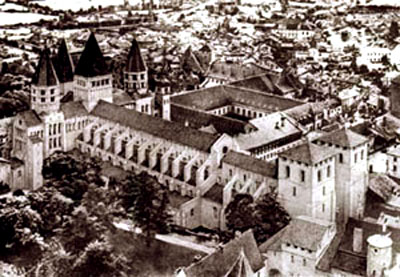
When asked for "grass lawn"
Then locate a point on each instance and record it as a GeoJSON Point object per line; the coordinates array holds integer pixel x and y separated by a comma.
{"type": "Point", "coordinates": [160, 259]}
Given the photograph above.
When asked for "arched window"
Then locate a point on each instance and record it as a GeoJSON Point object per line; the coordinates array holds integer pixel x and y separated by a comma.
{"type": "Point", "coordinates": [341, 158]}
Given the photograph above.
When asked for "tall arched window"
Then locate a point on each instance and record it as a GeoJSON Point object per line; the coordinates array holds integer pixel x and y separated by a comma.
{"type": "Point", "coordinates": [341, 158]}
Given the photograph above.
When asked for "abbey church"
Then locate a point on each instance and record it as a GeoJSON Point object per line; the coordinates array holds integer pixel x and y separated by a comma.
{"type": "Point", "coordinates": [191, 144]}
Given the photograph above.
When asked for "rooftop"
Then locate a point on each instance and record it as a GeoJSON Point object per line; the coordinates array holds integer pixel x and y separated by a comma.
{"type": "Point", "coordinates": [215, 193]}
{"type": "Point", "coordinates": [305, 232]}
{"type": "Point", "coordinates": [45, 74]}
{"type": "Point", "coordinates": [135, 61]}
{"type": "Point", "coordinates": [171, 131]}
{"type": "Point", "coordinates": [344, 137]}
{"type": "Point", "coordinates": [91, 62]}
{"type": "Point", "coordinates": [63, 63]}
{"type": "Point", "coordinates": [198, 119]}
{"type": "Point", "coordinates": [215, 97]}
{"type": "Point", "coordinates": [31, 118]}
{"type": "Point", "coordinates": [308, 153]}
{"type": "Point", "coordinates": [73, 109]}
{"type": "Point", "coordinates": [221, 262]}
{"type": "Point", "coordinates": [251, 164]}
{"type": "Point", "coordinates": [270, 128]}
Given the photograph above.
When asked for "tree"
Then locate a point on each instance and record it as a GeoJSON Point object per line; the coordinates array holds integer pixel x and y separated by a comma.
{"type": "Point", "coordinates": [149, 208]}
{"type": "Point", "coordinates": [265, 215]}
{"type": "Point", "coordinates": [345, 36]}
{"type": "Point", "coordinates": [239, 213]}
{"type": "Point", "coordinates": [98, 259]}
{"type": "Point", "coordinates": [270, 217]}
{"type": "Point", "coordinates": [394, 29]}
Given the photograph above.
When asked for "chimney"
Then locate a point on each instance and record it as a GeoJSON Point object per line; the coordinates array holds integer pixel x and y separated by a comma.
{"type": "Point", "coordinates": [384, 227]}
{"type": "Point", "coordinates": [357, 239]}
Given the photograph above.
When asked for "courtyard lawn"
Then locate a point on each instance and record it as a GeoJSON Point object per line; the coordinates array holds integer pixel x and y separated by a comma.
{"type": "Point", "coordinates": [158, 259]}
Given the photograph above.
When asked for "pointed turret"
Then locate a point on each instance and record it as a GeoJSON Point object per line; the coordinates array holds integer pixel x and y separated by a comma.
{"type": "Point", "coordinates": [92, 81]}
{"type": "Point", "coordinates": [64, 67]}
{"type": "Point", "coordinates": [45, 88]}
{"type": "Point", "coordinates": [63, 64]}
{"type": "Point", "coordinates": [45, 74]}
{"type": "Point", "coordinates": [135, 61]}
{"type": "Point", "coordinates": [91, 62]}
{"type": "Point", "coordinates": [135, 77]}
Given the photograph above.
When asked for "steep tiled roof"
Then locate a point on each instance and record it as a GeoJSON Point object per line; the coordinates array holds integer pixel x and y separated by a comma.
{"type": "Point", "coordinates": [63, 63]}
{"type": "Point", "coordinates": [45, 74]}
{"type": "Point", "coordinates": [308, 153]}
{"type": "Point", "coordinates": [135, 61]}
{"type": "Point", "coordinates": [73, 109]}
{"type": "Point", "coordinates": [223, 260]}
{"type": "Point", "coordinates": [215, 193]}
{"type": "Point", "coordinates": [344, 137]}
{"type": "Point", "coordinates": [250, 163]}
{"type": "Point", "coordinates": [158, 127]}
{"type": "Point", "coordinates": [30, 118]}
{"type": "Point", "coordinates": [92, 62]}
{"type": "Point", "coordinates": [198, 119]}
{"type": "Point", "coordinates": [261, 83]}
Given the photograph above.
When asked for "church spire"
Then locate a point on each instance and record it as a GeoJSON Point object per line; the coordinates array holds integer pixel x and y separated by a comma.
{"type": "Point", "coordinates": [91, 62]}
{"type": "Point", "coordinates": [63, 64]}
{"type": "Point", "coordinates": [135, 61]}
{"type": "Point", "coordinates": [45, 74]}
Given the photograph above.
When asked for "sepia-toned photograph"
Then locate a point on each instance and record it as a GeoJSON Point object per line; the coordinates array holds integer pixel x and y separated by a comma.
{"type": "Point", "coordinates": [199, 138]}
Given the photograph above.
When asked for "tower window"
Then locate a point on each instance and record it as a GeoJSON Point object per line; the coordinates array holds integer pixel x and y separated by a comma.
{"type": "Point", "coordinates": [294, 192]}
{"type": "Point", "coordinates": [42, 92]}
{"type": "Point", "coordinates": [42, 100]}
{"type": "Point", "coordinates": [355, 157]}
{"type": "Point", "coordinates": [52, 99]}
{"type": "Point", "coordinates": [191, 212]}
{"type": "Point", "coordinates": [341, 158]}
{"type": "Point", "coordinates": [287, 171]}
{"type": "Point", "coordinates": [323, 190]}
{"type": "Point", "coordinates": [323, 208]}
{"type": "Point", "coordinates": [52, 91]}
{"type": "Point", "coordinates": [304, 262]}
{"type": "Point", "coordinates": [362, 155]}
{"type": "Point", "coordinates": [328, 171]}
{"type": "Point", "coordinates": [319, 175]}
{"type": "Point", "coordinates": [302, 175]}
{"type": "Point", "coordinates": [33, 99]}
{"type": "Point", "coordinates": [134, 77]}
{"type": "Point", "coordinates": [292, 258]}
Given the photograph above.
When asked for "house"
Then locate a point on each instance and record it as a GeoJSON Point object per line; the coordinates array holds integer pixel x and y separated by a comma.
{"type": "Point", "coordinates": [239, 257]}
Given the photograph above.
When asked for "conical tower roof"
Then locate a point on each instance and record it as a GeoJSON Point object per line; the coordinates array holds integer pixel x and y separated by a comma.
{"type": "Point", "coordinates": [92, 62]}
{"type": "Point", "coordinates": [45, 74]}
{"type": "Point", "coordinates": [135, 61]}
{"type": "Point", "coordinates": [63, 64]}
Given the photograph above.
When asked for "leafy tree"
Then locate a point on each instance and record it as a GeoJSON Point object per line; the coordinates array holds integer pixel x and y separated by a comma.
{"type": "Point", "coordinates": [345, 36]}
{"type": "Point", "coordinates": [270, 217]}
{"type": "Point", "coordinates": [239, 213]}
{"type": "Point", "coordinates": [99, 259]}
{"type": "Point", "coordinates": [149, 209]}
{"type": "Point", "coordinates": [394, 29]}
{"type": "Point", "coordinates": [265, 216]}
